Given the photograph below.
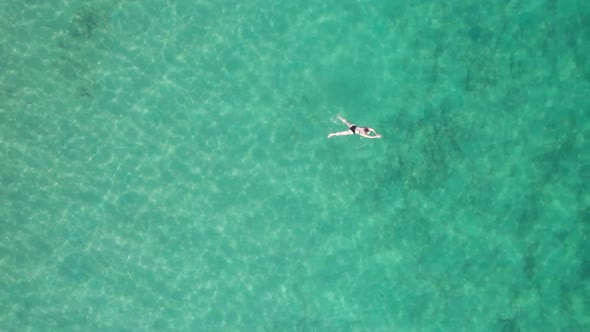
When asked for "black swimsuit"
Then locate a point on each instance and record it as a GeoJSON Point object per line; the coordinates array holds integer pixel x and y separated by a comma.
{"type": "Point", "coordinates": [353, 129]}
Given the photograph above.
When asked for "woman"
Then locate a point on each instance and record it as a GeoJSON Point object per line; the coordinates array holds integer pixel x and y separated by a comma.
{"type": "Point", "coordinates": [354, 129]}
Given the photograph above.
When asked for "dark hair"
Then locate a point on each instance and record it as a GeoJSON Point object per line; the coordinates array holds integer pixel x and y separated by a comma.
{"type": "Point", "coordinates": [366, 129]}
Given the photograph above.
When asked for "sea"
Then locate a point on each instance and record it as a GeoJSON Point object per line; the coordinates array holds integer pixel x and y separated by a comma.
{"type": "Point", "coordinates": [165, 166]}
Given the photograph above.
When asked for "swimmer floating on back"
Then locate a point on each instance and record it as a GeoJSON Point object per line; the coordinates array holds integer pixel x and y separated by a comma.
{"type": "Point", "coordinates": [354, 129]}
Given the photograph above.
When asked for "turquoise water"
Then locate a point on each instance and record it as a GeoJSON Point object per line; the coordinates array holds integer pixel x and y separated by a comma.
{"type": "Point", "coordinates": [165, 167]}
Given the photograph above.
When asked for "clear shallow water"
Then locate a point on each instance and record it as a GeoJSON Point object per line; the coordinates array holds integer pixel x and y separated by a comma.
{"type": "Point", "coordinates": [165, 166]}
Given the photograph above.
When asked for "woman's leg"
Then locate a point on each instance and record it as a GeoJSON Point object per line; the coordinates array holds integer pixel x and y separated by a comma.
{"type": "Point", "coordinates": [348, 124]}
{"type": "Point", "coordinates": [341, 133]}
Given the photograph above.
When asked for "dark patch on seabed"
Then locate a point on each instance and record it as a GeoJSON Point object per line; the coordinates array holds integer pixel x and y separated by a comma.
{"type": "Point", "coordinates": [431, 147]}
{"type": "Point", "coordinates": [78, 48]}
{"type": "Point", "coordinates": [530, 261]}
{"type": "Point", "coordinates": [508, 325]}
{"type": "Point", "coordinates": [87, 21]}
